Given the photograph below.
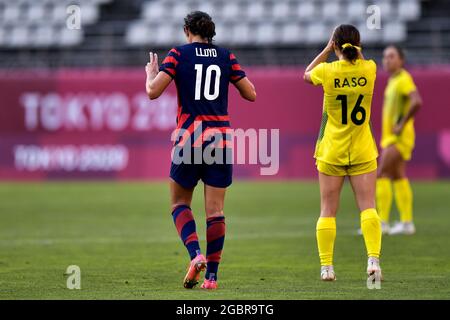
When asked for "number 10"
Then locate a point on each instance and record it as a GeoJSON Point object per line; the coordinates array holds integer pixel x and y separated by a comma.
{"type": "Point", "coordinates": [207, 90]}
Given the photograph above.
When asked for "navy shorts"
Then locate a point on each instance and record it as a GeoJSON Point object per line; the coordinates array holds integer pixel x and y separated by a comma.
{"type": "Point", "coordinates": [215, 175]}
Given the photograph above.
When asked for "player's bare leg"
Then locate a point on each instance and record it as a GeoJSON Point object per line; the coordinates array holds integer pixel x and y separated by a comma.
{"type": "Point", "coordinates": [181, 199]}
{"type": "Point", "coordinates": [330, 190]}
{"type": "Point", "coordinates": [388, 159]}
{"type": "Point", "coordinates": [215, 232]}
{"type": "Point", "coordinates": [363, 186]}
{"type": "Point", "coordinates": [180, 195]}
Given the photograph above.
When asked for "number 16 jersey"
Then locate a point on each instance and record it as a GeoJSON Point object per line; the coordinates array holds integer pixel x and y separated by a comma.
{"type": "Point", "coordinates": [345, 136]}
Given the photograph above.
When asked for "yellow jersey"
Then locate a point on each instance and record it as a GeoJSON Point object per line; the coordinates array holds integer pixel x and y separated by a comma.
{"type": "Point", "coordinates": [345, 136]}
{"type": "Point", "coordinates": [396, 105]}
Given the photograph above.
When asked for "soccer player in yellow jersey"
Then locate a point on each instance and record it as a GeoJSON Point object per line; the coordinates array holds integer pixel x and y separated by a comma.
{"type": "Point", "coordinates": [401, 102]}
{"type": "Point", "coordinates": [346, 146]}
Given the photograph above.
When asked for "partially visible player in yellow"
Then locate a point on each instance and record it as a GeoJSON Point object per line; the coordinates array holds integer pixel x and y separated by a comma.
{"type": "Point", "coordinates": [401, 103]}
{"type": "Point", "coordinates": [346, 146]}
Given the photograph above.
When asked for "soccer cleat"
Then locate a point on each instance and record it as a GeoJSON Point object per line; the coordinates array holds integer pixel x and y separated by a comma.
{"type": "Point", "coordinates": [209, 284]}
{"type": "Point", "coordinates": [385, 229]}
{"type": "Point", "coordinates": [197, 265]}
{"type": "Point", "coordinates": [327, 273]}
{"type": "Point", "coordinates": [373, 268]}
{"type": "Point", "coordinates": [406, 228]}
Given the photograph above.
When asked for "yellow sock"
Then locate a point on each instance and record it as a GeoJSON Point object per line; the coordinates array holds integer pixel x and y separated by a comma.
{"type": "Point", "coordinates": [384, 198]}
{"type": "Point", "coordinates": [326, 234]}
{"type": "Point", "coordinates": [371, 230]}
{"type": "Point", "coordinates": [404, 199]}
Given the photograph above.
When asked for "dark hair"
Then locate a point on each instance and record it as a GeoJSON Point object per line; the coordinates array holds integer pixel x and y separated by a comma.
{"type": "Point", "coordinates": [347, 33]}
{"type": "Point", "coordinates": [200, 23]}
{"type": "Point", "coordinates": [400, 51]}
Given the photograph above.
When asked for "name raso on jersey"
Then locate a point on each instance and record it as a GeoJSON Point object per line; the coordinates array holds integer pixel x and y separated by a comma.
{"type": "Point", "coordinates": [352, 82]}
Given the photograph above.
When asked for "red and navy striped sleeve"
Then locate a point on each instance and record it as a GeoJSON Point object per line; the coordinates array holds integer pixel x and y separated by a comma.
{"type": "Point", "coordinates": [170, 62]}
{"type": "Point", "coordinates": [236, 73]}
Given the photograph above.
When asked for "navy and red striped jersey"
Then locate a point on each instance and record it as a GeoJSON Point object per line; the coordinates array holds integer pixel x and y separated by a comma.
{"type": "Point", "coordinates": [202, 73]}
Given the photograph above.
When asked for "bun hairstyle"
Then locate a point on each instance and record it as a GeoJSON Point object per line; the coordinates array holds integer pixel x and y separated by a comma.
{"type": "Point", "coordinates": [346, 37]}
{"type": "Point", "coordinates": [200, 23]}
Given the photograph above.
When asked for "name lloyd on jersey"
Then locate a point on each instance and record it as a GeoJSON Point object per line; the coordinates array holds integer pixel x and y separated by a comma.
{"type": "Point", "coordinates": [200, 52]}
{"type": "Point", "coordinates": [350, 83]}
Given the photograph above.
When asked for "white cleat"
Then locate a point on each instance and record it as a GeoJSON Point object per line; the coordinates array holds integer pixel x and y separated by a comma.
{"type": "Point", "coordinates": [373, 268]}
{"type": "Point", "coordinates": [327, 273]}
{"type": "Point", "coordinates": [406, 228]}
{"type": "Point", "coordinates": [385, 229]}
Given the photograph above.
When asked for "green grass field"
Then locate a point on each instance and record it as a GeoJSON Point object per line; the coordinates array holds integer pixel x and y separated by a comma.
{"type": "Point", "coordinates": [122, 237]}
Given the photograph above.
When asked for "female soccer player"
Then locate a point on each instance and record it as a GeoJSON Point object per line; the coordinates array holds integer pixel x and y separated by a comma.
{"type": "Point", "coordinates": [401, 103]}
{"type": "Point", "coordinates": [345, 146]}
{"type": "Point", "coordinates": [202, 73]}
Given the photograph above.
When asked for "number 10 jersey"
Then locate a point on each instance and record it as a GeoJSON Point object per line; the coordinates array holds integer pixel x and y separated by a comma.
{"type": "Point", "coordinates": [202, 73]}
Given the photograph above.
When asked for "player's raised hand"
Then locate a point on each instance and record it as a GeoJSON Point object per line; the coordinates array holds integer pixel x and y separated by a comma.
{"type": "Point", "coordinates": [330, 45]}
{"type": "Point", "coordinates": [152, 67]}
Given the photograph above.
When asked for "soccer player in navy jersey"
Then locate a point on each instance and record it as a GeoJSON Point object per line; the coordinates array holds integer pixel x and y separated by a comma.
{"type": "Point", "coordinates": [202, 72]}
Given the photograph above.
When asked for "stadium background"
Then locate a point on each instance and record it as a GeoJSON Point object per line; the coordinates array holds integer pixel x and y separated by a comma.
{"type": "Point", "coordinates": [73, 106]}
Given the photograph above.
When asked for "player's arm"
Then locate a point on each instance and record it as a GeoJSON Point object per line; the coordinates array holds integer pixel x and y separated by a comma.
{"type": "Point", "coordinates": [322, 57]}
{"type": "Point", "coordinates": [246, 89]}
{"type": "Point", "coordinates": [360, 55]}
{"type": "Point", "coordinates": [239, 79]}
{"type": "Point", "coordinates": [415, 104]}
{"type": "Point", "coordinates": [157, 81]}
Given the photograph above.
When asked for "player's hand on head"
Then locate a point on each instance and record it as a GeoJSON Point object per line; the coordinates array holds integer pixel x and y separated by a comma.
{"type": "Point", "coordinates": [152, 67]}
{"type": "Point", "coordinates": [330, 44]}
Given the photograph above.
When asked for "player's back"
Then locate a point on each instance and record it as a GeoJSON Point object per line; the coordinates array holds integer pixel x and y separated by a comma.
{"type": "Point", "coordinates": [346, 136]}
{"type": "Point", "coordinates": [202, 73]}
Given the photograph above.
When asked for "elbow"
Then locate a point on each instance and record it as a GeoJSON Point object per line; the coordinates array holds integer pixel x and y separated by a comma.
{"type": "Point", "coordinates": [249, 96]}
{"type": "Point", "coordinates": [306, 78]}
{"type": "Point", "coordinates": [153, 96]}
{"type": "Point", "coordinates": [152, 93]}
{"type": "Point", "coordinates": [416, 102]}
{"type": "Point", "coordinates": [418, 105]}
{"type": "Point", "coordinates": [252, 97]}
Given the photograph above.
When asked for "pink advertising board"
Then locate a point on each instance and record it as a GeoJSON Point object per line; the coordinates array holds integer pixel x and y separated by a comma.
{"type": "Point", "coordinates": [97, 124]}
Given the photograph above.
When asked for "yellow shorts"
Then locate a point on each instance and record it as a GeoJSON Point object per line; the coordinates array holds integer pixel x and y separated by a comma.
{"type": "Point", "coordinates": [352, 170]}
{"type": "Point", "coordinates": [405, 150]}
{"type": "Point", "coordinates": [404, 146]}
